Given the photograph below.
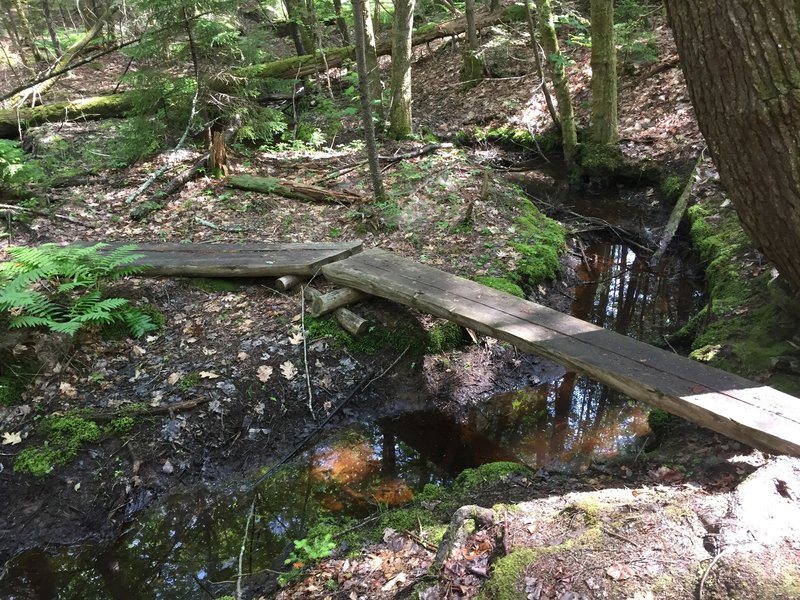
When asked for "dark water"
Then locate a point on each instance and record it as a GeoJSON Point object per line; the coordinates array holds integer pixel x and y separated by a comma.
{"type": "Point", "coordinates": [189, 545]}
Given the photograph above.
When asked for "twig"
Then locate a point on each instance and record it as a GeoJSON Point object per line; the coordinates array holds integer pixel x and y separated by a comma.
{"type": "Point", "coordinates": [422, 542]}
{"type": "Point", "coordinates": [43, 213]}
{"type": "Point", "coordinates": [305, 348]}
{"type": "Point", "coordinates": [241, 548]}
{"type": "Point", "coordinates": [359, 386]}
{"type": "Point", "coordinates": [387, 369]}
{"type": "Point", "coordinates": [708, 570]}
{"type": "Point", "coordinates": [619, 536]}
{"type": "Point", "coordinates": [227, 228]}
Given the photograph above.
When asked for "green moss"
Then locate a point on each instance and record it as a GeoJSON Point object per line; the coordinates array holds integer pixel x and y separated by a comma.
{"type": "Point", "coordinates": [502, 284]}
{"type": "Point", "coordinates": [188, 382]}
{"type": "Point", "coordinates": [507, 581]}
{"type": "Point", "coordinates": [672, 187]}
{"type": "Point", "coordinates": [64, 435]}
{"type": "Point", "coordinates": [442, 337]}
{"type": "Point", "coordinates": [121, 426]}
{"type": "Point", "coordinates": [658, 420]}
{"type": "Point", "coordinates": [213, 285]}
{"type": "Point", "coordinates": [540, 241]}
{"type": "Point", "coordinates": [546, 142]}
{"type": "Point", "coordinates": [743, 330]}
{"type": "Point", "coordinates": [11, 389]}
{"type": "Point", "coordinates": [601, 165]}
{"type": "Point", "coordinates": [471, 479]}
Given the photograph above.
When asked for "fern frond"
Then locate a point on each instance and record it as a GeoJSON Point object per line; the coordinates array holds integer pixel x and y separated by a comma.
{"type": "Point", "coordinates": [68, 327]}
{"type": "Point", "coordinates": [138, 322]}
{"type": "Point", "coordinates": [30, 321]}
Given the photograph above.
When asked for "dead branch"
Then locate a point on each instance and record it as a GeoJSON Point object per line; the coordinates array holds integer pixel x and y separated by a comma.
{"type": "Point", "coordinates": [676, 216]}
{"type": "Point", "coordinates": [457, 533]}
{"type": "Point", "coordinates": [292, 189]}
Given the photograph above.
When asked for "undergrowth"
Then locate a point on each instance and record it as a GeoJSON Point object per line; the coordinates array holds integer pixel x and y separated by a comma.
{"type": "Point", "coordinates": [61, 288]}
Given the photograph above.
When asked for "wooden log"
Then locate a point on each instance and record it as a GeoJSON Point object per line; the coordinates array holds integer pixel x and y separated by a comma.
{"type": "Point", "coordinates": [676, 217]}
{"type": "Point", "coordinates": [291, 189]}
{"type": "Point", "coordinates": [308, 64]}
{"type": "Point", "coordinates": [352, 323]}
{"type": "Point", "coordinates": [325, 303]}
{"type": "Point", "coordinates": [287, 282]}
{"type": "Point", "coordinates": [97, 107]}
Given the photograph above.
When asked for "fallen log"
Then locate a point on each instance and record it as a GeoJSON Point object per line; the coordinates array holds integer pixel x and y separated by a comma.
{"type": "Point", "coordinates": [13, 120]}
{"type": "Point", "coordinates": [352, 323]}
{"type": "Point", "coordinates": [290, 189]}
{"type": "Point", "coordinates": [325, 303]}
{"type": "Point", "coordinates": [676, 217]}
{"type": "Point", "coordinates": [308, 64]}
{"type": "Point", "coordinates": [287, 282]}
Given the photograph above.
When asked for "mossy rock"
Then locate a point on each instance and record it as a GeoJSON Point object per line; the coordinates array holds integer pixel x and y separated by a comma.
{"type": "Point", "coordinates": [490, 473]}
{"type": "Point", "coordinates": [541, 242]}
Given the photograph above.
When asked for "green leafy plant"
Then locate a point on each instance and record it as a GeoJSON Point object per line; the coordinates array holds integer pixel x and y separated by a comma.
{"type": "Point", "coordinates": [17, 169]}
{"type": "Point", "coordinates": [60, 287]}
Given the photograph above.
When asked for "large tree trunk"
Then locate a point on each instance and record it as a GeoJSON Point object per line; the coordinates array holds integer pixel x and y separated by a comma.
{"type": "Point", "coordinates": [100, 107]}
{"type": "Point", "coordinates": [604, 74]}
{"type": "Point", "coordinates": [402, 28]}
{"type": "Point", "coordinates": [741, 59]}
{"type": "Point", "coordinates": [371, 57]}
{"type": "Point", "coordinates": [555, 62]}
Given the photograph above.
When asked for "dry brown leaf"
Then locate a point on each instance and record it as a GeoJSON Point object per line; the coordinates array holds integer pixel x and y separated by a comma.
{"type": "Point", "coordinates": [208, 375]}
{"type": "Point", "coordinates": [289, 370]}
{"type": "Point", "coordinates": [264, 373]}
{"type": "Point", "coordinates": [12, 438]}
{"type": "Point", "coordinates": [619, 572]}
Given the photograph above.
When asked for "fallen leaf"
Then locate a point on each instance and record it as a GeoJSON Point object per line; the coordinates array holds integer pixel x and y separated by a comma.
{"type": "Point", "coordinates": [68, 390]}
{"type": "Point", "coordinates": [174, 377]}
{"type": "Point", "coordinates": [242, 356]}
{"type": "Point", "coordinates": [208, 375]}
{"type": "Point", "coordinates": [264, 373]}
{"type": "Point", "coordinates": [139, 351]}
{"type": "Point", "coordinates": [77, 486]}
{"type": "Point", "coordinates": [619, 572]}
{"type": "Point", "coordinates": [399, 578]}
{"type": "Point", "coordinates": [208, 351]}
{"type": "Point", "coordinates": [296, 338]}
{"type": "Point", "coordinates": [167, 468]}
{"type": "Point", "coordinates": [12, 438]}
{"type": "Point", "coordinates": [289, 370]}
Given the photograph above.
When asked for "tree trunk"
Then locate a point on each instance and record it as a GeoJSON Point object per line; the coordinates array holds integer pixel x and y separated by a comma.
{"type": "Point", "coordinates": [24, 29]}
{"type": "Point", "coordinates": [604, 74]}
{"type": "Point", "coordinates": [99, 107]}
{"type": "Point", "coordinates": [472, 69]}
{"type": "Point", "coordinates": [741, 59]}
{"type": "Point", "coordinates": [402, 27]}
{"type": "Point", "coordinates": [538, 62]}
{"type": "Point", "coordinates": [303, 41]}
{"type": "Point", "coordinates": [341, 24]}
{"type": "Point", "coordinates": [51, 29]}
{"type": "Point", "coordinates": [555, 62]}
{"type": "Point", "coordinates": [371, 56]}
{"type": "Point", "coordinates": [359, 20]}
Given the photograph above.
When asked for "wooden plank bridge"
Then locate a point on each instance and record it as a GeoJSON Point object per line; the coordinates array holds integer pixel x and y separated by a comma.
{"type": "Point", "coordinates": [743, 410]}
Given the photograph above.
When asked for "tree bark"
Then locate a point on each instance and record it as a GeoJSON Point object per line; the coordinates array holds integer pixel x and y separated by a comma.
{"type": "Point", "coordinates": [303, 41]}
{"type": "Point", "coordinates": [51, 29]}
{"type": "Point", "coordinates": [555, 62]}
{"type": "Point", "coordinates": [359, 20]}
{"type": "Point", "coordinates": [472, 69]}
{"type": "Point", "coordinates": [371, 57]}
{"type": "Point", "coordinates": [741, 59]}
{"type": "Point", "coordinates": [402, 27]}
{"type": "Point", "coordinates": [341, 24]}
{"type": "Point", "coordinates": [98, 107]}
{"type": "Point", "coordinates": [604, 74]}
{"type": "Point", "coordinates": [538, 62]}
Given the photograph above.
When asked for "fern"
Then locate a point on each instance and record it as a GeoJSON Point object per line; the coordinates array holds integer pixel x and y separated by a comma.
{"type": "Point", "coordinates": [60, 287]}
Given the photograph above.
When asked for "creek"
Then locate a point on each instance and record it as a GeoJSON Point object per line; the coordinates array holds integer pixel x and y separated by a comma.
{"type": "Point", "coordinates": [189, 545]}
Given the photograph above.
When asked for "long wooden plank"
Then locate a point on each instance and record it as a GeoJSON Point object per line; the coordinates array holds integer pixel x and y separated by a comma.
{"type": "Point", "coordinates": [235, 260]}
{"type": "Point", "coordinates": [739, 408]}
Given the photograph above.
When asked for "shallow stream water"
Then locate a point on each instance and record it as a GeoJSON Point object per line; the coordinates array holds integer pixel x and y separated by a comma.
{"type": "Point", "coordinates": [190, 544]}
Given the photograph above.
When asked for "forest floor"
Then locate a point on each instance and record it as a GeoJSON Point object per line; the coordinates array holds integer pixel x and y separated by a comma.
{"type": "Point", "coordinates": [692, 515]}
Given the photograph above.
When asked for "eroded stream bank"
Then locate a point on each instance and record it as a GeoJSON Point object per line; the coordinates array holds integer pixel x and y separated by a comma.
{"type": "Point", "coordinates": [497, 405]}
